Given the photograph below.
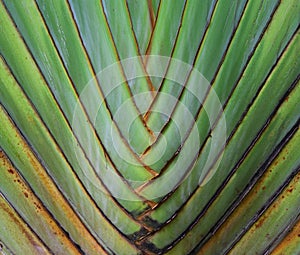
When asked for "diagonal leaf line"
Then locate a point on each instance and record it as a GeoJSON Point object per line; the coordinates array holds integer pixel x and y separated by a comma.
{"type": "Point", "coordinates": [35, 155]}
{"type": "Point", "coordinates": [220, 188]}
{"type": "Point", "coordinates": [231, 40]}
{"type": "Point", "coordinates": [236, 127]}
{"type": "Point", "coordinates": [148, 51]}
{"type": "Point", "coordinates": [294, 129]}
{"type": "Point", "coordinates": [83, 188]}
{"type": "Point", "coordinates": [258, 175]}
{"type": "Point", "coordinates": [282, 235]}
{"type": "Point", "coordinates": [148, 113]}
{"type": "Point", "coordinates": [265, 208]}
{"type": "Point", "coordinates": [60, 189]}
{"type": "Point", "coordinates": [94, 74]}
{"type": "Point", "coordinates": [52, 178]}
{"type": "Point", "coordinates": [148, 48]}
{"type": "Point", "coordinates": [148, 169]}
{"type": "Point", "coordinates": [234, 87]}
{"type": "Point", "coordinates": [165, 167]}
{"type": "Point", "coordinates": [156, 15]}
{"type": "Point", "coordinates": [250, 55]}
{"type": "Point", "coordinates": [33, 107]}
{"type": "Point", "coordinates": [59, 107]}
{"type": "Point", "coordinates": [187, 80]}
{"type": "Point", "coordinates": [149, 82]}
{"type": "Point", "coordinates": [147, 230]}
{"type": "Point", "coordinates": [4, 246]}
{"type": "Point", "coordinates": [289, 90]}
{"type": "Point", "coordinates": [235, 168]}
{"type": "Point", "coordinates": [87, 116]}
{"type": "Point", "coordinates": [293, 85]}
{"type": "Point", "coordinates": [258, 214]}
{"type": "Point", "coordinates": [24, 140]}
{"type": "Point", "coordinates": [123, 73]}
{"type": "Point", "coordinates": [246, 111]}
{"type": "Point", "coordinates": [23, 220]}
{"type": "Point", "coordinates": [264, 81]}
{"type": "Point", "coordinates": [27, 185]}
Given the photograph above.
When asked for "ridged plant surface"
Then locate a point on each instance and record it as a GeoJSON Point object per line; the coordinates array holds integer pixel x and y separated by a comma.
{"type": "Point", "coordinates": [149, 127]}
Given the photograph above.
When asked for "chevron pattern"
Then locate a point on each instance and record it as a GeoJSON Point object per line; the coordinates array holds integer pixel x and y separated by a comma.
{"type": "Point", "coordinates": [149, 127]}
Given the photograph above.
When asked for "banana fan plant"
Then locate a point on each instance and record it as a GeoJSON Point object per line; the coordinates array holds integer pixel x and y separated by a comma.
{"type": "Point", "coordinates": [149, 127]}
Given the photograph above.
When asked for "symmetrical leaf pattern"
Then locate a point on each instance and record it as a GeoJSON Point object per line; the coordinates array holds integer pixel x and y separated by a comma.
{"type": "Point", "coordinates": [149, 127]}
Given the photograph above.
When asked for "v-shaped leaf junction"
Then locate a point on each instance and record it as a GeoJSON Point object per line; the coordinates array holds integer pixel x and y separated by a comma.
{"type": "Point", "coordinates": [149, 127]}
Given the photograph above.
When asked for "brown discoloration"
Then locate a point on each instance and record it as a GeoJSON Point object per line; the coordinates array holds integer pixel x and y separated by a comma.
{"type": "Point", "coordinates": [287, 99]}
{"type": "Point", "coordinates": [145, 152]}
{"type": "Point", "coordinates": [260, 222]}
{"type": "Point", "coordinates": [151, 12]}
{"type": "Point", "coordinates": [11, 171]}
{"type": "Point", "coordinates": [39, 208]}
{"type": "Point", "coordinates": [13, 217]}
{"type": "Point", "coordinates": [151, 171]}
{"type": "Point", "coordinates": [291, 239]}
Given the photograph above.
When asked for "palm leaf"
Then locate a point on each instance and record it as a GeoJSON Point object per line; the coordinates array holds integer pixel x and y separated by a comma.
{"type": "Point", "coordinates": [149, 127]}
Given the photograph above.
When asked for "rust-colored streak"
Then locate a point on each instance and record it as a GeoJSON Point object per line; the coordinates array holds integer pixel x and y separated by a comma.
{"type": "Point", "coordinates": [146, 116]}
{"type": "Point", "coordinates": [145, 152]}
{"type": "Point", "coordinates": [151, 171]}
{"type": "Point", "coordinates": [32, 202]}
{"type": "Point", "coordinates": [292, 238]}
{"type": "Point", "coordinates": [49, 187]}
{"type": "Point", "coordinates": [13, 217]}
{"type": "Point", "coordinates": [39, 208]}
{"type": "Point", "coordinates": [151, 12]}
{"type": "Point", "coordinates": [260, 222]}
